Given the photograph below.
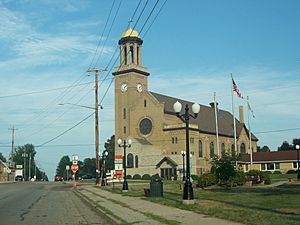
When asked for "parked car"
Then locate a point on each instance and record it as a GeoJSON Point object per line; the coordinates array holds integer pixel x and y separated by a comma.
{"type": "Point", "coordinates": [19, 178]}
{"type": "Point", "coordinates": [86, 177]}
{"type": "Point", "coordinates": [58, 178]}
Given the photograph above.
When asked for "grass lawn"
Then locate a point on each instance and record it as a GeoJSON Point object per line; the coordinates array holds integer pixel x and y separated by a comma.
{"type": "Point", "coordinates": [249, 205]}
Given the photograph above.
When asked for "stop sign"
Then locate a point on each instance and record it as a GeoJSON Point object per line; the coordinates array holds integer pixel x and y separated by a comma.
{"type": "Point", "coordinates": [74, 168]}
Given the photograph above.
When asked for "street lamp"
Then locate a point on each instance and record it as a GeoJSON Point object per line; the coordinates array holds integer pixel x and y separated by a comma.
{"type": "Point", "coordinates": [298, 172]}
{"type": "Point", "coordinates": [188, 195]}
{"type": "Point", "coordinates": [103, 180]}
{"type": "Point", "coordinates": [183, 167]}
{"type": "Point", "coordinates": [124, 146]}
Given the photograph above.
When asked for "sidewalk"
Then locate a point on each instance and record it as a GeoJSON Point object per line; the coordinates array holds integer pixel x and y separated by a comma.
{"type": "Point", "coordinates": [134, 210]}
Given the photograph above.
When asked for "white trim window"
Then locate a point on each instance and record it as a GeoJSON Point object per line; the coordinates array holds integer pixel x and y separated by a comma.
{"type": "Point", "coordinates": [270, 166]}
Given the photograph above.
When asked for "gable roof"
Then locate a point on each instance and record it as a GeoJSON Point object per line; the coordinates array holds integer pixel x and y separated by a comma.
{"type": "Point", "coordinates": [168, 160]}
{"type": "Point", "coordinates": [206, 117]}
{"type": "Point", "coordinates": [271, 156]}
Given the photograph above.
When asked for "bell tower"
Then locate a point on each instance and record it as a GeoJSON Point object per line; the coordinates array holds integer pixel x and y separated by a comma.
{"type": "Point", "coordinates": [131, 81]}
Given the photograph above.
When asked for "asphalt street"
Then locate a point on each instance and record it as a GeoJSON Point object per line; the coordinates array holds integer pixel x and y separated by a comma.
{"type": "Point", "coordinates": [45, 203]}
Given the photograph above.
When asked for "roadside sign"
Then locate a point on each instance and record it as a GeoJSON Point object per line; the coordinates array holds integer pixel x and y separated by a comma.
{"type": "Point", "coordinates": [67, 167]}
{"type": "Point", "coordinates": [74, 168]}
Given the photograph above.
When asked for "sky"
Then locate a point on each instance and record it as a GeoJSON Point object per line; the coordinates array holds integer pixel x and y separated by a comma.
{"type": "Point", "coordinates": [46, 46]}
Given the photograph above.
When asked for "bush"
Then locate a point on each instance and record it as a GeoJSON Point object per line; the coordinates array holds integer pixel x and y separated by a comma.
{"type": "Point", "coordinates": [258, 176]}
{"type": "Point", "coordinates": [239, 178]}
{"type": "Point", "coordinates": [146, 177]}
{"type": "Point", "coordinates": [128, 177]}
{"type": "Point", "coordinates": [291, 172]}
{"type": "Point", "coordinates": [195, 177]}
{"type": "Point", "coordinates": [254, 176]}
{"type": "Point", "coordinates": [136, 177]}
{"type": "Point", "coordinates": [265, 177]}
{"type": "Point", "coordinates": [277, 172]}
{"type": "Point", "coordinates": [207, 179]}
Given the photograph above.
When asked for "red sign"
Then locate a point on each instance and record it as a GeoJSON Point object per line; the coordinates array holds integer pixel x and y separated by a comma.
{"type": "Point", "coordinates": [74, 168]}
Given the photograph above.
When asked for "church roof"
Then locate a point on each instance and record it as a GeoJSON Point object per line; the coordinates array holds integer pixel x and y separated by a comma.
{"type": "Point", "coordinates": [130, 33]}
{"type": "Point", "coordinates": [206, 117]}
{"type": "Point", "coordinates": [271, 156]}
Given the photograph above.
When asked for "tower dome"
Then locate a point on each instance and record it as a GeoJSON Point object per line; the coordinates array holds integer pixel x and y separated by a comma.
{"type": "Point", "coordinates": [130, 33]}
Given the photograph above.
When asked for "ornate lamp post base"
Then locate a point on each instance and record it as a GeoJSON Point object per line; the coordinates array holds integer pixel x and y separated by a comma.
{"type": "Point", "coordinates": [125, 186]}
{"type": "Point", "coordinates": [188, 195]}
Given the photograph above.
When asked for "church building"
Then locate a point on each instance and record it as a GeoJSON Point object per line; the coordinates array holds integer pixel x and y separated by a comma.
{"type": "Point", "coordinates": [157, 134]}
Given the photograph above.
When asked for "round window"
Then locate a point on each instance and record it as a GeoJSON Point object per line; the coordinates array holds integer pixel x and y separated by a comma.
{"type": "Point", "coordinates": [145, 126]}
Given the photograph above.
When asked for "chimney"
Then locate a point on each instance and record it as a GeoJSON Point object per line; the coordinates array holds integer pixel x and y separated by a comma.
{"type": "Point", "coordinates": [241, 112]}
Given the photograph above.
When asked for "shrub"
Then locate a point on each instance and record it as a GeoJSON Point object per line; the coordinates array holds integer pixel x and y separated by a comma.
{"type": "Point", "coordinates": [265, 177]}
{"type": "Point", "coordinates": [128, 177]}
{"type": "Point", "coordinates": [207, 179]}
{"type": "Point", "coordinates": [291, 172]}
{"type": "Point", "coordinates": [146, 177]}
{"type": "Point", "coordinates": [277, 172]}
{"type": "Point", "coordinates": [239, 178]}
{"type": "Point", "coordinates": [136, 177]}
{"type": "Point", "coordinates": [195, 177]}
{"type": "Point", "coordinates": [254, 176]}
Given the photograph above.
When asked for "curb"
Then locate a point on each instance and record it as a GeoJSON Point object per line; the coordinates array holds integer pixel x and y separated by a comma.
{"type": "Point", "coordinates": [94, 207]}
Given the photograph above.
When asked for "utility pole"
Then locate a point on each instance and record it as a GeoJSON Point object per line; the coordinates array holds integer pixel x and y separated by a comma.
{"type": "Point", "coordinates": [29, 167]}
{"type": "Point", "coordinates": [12, 142]}
{"type": "Point", "coordinates": [96, 123]}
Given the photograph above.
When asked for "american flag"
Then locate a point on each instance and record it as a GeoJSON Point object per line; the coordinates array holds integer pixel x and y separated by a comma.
{"type": "Point", "coordinates": [235, 88]}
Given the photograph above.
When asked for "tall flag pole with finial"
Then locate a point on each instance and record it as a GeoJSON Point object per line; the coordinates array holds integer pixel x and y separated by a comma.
{"type": "Point", "coordinates": [250, 141]}
{"type": "Point", "coordinates": [235, 89]}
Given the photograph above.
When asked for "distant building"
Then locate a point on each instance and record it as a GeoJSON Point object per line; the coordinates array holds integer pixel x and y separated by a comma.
{"type": "Point", "coordinates": [5, 172]}
{"type": "Point", "coordinates": [158, 135]}
{"type": "Point", "coordinates": [271, 161]}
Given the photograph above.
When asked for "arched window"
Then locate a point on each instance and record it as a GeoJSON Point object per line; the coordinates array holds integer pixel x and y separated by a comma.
{"type": "Point", "coordinates": [136, 161]}
{"type": "Point", "coordinates": [243, 149]}
{"type": "Point", "coordinates": [211, 150]}
{"type": "Point", "coordinates": [200, 151]}
{"type": "Point", "coordinates": [222, 149]}
{"type": "Point", "coordinates": [129, 160]}
{"type": "Point", "coordinates": [232, 150]}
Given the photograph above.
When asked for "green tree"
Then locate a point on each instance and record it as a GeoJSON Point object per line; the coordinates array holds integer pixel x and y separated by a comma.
{"type": "Point", "coordinates": [3, 159]}
{"type": "Point", "coordinates": [109, 146]}
{"type": "Point", "coordinates": [285, 146]}
{"type": "Point", "coordinates": [61, 167]}
{"type": "Point", "coordinates": [265, 148]}
{"type": "Point", "coordinates": [296, 141]}
{"type": "Point", "coordinates": [224, 168]}
{"type": "Point", "coordinates": [88, 167]}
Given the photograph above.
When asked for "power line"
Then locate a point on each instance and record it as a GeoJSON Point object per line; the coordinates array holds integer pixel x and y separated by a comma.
{"type": "Point", "coordinates": [61, 134]}
{"type": "Point", "coordinates": [101, 83]}
{"type": "Point", "coordinates": [275, 131]}
{"type": "Point", "coordinates": [155, 18]}
{"type": "Point", "coordinates": [111, 26]}
{"type": "Point", "coordinates": [100, 40]}
{"type": "Point", "coordinates": [43, 91]}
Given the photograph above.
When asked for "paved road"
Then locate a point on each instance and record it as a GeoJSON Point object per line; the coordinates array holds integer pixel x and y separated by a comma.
{"type": "Point", "coordinates": [31, 203]}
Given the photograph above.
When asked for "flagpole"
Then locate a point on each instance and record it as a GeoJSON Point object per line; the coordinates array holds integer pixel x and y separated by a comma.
{"type": "Point", "coordinates": [234, 125]}
{"type": "Point", "coordinates": [250, 142]}
{"type": "Point", "coordinates": [217, 128]}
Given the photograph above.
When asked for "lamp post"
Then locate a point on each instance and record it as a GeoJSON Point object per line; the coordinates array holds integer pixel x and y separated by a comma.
{"type": "Point", "coordinates": [104, 156]}
{"type": "Point", "coordinates": [183, 167]}
{"type": "Point", "coordinates": [188, 195]}
{"type": "Point", "coordinates": [298, 172]}
{"type": "Point", "coordinates": [124, 146]}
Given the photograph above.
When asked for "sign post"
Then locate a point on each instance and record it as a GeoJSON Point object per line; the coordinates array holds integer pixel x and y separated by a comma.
{"type": "Point", "coordinates": [74, 167]}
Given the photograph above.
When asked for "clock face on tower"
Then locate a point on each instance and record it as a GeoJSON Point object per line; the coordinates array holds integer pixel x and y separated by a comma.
{"type": "Point", "coordinates": [124, 87]}
{"type": "Point", "coordinates": [139, 87]}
